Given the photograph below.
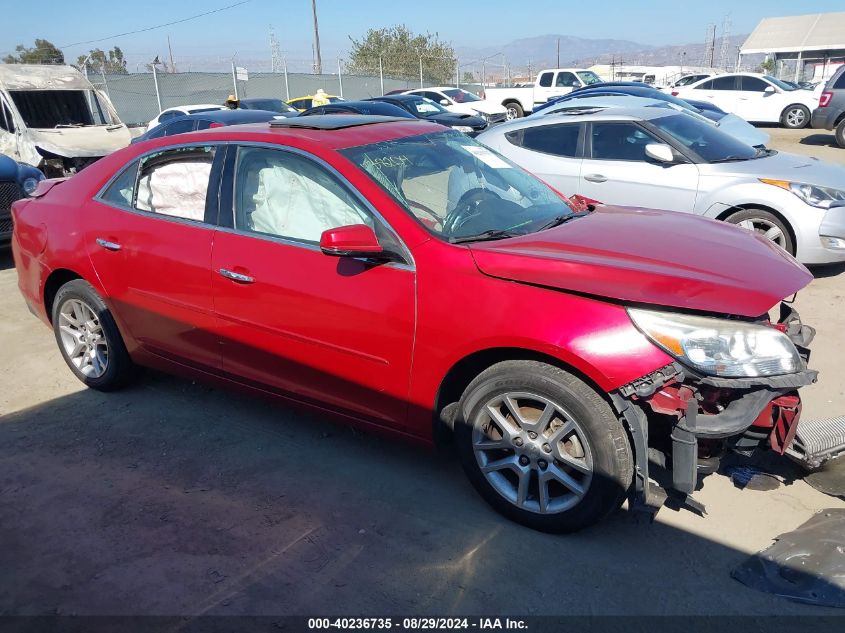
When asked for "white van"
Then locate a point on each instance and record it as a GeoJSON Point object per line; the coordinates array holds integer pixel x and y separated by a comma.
{"type": "Point", "coordinates": [53, 118]}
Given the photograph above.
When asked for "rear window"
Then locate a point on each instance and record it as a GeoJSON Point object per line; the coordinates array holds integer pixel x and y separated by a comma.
{"type": "Point", "coordinates": [557, 140]}
{"type": "Point", "coordinates": [840, 82]}
{"type": "Point", "coordinates": [546, 80]}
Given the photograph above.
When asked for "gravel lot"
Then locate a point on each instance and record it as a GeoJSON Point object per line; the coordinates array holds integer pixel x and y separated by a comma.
{"type": "Point", "coordinates": [175, 498]}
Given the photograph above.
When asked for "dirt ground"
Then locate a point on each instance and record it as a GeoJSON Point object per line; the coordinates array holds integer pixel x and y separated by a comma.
{"type": "Point", "coordinates": [175, 498]}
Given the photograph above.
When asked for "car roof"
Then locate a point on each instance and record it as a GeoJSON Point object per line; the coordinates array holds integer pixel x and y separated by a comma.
{"type": "Point", "coordinates": [640, 113]}
{"type": "Point", "coordinates": [193, 106]}
{"type": "Point", "coordinates": [231, 116]}
{"type": "Point", "coordinates": [400, 97]}
{"type": "Point", "coordinates": [388, 109]}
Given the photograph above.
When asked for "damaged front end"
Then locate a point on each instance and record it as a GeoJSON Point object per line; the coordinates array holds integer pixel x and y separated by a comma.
{"type": "Point", "coordinates": [683, 420]}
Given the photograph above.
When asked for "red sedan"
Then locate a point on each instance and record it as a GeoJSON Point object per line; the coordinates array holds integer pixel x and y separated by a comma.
{"type": "Point", "coordinates": [401, 276]}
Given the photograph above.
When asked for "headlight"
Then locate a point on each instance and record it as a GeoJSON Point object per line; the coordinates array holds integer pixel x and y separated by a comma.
{"type": "Point", "coordinates": [463, 128]}
{"type": "Point", "coordinates": [720, 347]}
{"type": "Point", "coordinates": [813, 195]}
{"type": "Point", "coordinates": [29, 185]}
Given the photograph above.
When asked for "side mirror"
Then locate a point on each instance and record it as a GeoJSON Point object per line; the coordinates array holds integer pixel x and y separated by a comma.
{"type": "Point", "coordinates": [770, 90]}
{"type": "Point", "coordinates": [660, 152]}
{"type": "Point", "coordinates": [444, 102]}
{"type": "Point", "coordinates": [354, 240]}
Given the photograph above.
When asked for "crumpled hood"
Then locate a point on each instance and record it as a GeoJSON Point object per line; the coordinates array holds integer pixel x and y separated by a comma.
{"type": "Point", "coordinates": [81, 142]}
{"type": "Point", "coordinates": [652, 257]}
{"type": "Point", "coordinates": [786, 166]}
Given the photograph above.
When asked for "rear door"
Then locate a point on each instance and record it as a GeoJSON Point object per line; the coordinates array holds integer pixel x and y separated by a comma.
{"type": "Point", "coordinates": [326, 330]}
{"type": "Point", "coordinates": [616, 170]}
{"type": "Point", "coordinates": [721, 90]}
{"type": "Point", "coordinates": [149, 239]}
{"type": "Point", "coordinates": [551, 152]}
{"type": "Point", "coordinates": [543, 89]}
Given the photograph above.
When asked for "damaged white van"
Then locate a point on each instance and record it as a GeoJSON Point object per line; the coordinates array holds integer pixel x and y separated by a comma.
{"type": "Point", "coordinates": [53, 118]}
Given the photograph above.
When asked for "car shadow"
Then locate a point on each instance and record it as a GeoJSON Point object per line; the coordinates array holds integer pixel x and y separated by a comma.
{"type": "Point", "coordinates": [823, 271]}
{"type": "Point", "coordinates": [172, 497]}
{"type": "Point", "coordinates": [825, 139]}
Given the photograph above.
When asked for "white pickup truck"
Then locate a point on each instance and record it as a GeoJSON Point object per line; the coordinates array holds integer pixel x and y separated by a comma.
{"type": "Point", "coordinates": [551, 82]}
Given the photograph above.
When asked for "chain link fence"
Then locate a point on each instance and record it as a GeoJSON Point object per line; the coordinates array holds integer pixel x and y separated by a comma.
{"type": "Point", "coordinates": [137, 96]}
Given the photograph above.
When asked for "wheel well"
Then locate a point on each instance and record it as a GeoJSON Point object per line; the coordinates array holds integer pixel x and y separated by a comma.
{"type": "Point", "coordinates": [507, 102]}
{"type": "Point", "coordinates": [840, 118]}
{"type": "Point", "coordinates": [457, 379]}
{"type": "Point", "coordinates": [724, 215]}
{"type": "Point", "coordinates": [56, 280]}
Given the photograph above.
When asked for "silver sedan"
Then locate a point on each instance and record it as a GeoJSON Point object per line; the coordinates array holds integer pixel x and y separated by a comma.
{"type": "Point", "coordinates": [661, 159]}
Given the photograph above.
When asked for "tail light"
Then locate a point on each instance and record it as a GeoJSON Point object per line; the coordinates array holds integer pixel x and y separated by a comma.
{"type": "Point", "coordinates": [481, 94]}
{"type": "Point", "coordinates": [825, 98]}
{"type": "Point", "coordinates": [216, 124]}
{"type": "Point", "coordinates": [674, 93]}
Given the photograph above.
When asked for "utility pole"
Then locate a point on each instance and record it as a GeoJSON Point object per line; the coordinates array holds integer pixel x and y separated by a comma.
{"type": "Point", "coordinates": [558, 53]}
{"type": "Point", "coordinates": [170, 49]}
{"type": "Point", "coordinates": [318, 63]}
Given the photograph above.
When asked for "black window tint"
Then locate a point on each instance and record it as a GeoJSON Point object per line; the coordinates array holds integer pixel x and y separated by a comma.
{"type": "Point", "coordinates": [753, 84]}
{"type": "Point", "coordinates": [175, 182]}
{"type": "Point", "coordinates": [840, 82]}
{"type": "Point", "coordinates": [546, 80]}
{"type": "Point", "coordinates": [558, 140]}
{"type": "Point", "coordinates": [166, 116]}
{"type": "Point", "coordinates": [122, 189]}
{"type": "Point", "coordinates": [179, 127]}
{"type": "Point", "coordinates": [620, 141]}
{"type": "Point", "coordinates": [707, 85]}
{"type": "Point", "coordinates": [437, 98]}
{"type": "Point", "coordinates": [724, 83]}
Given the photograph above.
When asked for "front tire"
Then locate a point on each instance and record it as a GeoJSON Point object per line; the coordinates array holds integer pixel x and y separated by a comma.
{"type": "Point", "coordinates": [795, 117]}
{"type": "Point", "coordinates": [767, 224]}
{"type": "Point", "coordinates": [88, 337]}
{"type": "Point", "coordinates": [542, 447]}
{"type": "Point", "coordinates": [840, 133]}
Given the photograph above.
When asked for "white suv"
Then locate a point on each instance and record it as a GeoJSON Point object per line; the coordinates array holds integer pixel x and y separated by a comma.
{"type": "Point", "coordinates": [755, 97]}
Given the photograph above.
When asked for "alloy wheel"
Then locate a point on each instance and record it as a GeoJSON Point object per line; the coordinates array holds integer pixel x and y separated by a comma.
{"type": "Point", "coordinates": [796, 117]}
{"type": "Point", "coordinates": [511, 113]}
{"type": "Point", "coordinates": [83, 339]}
{"type": "Point", "coordinates": [767, 228]}
{"type": "Point", "coordinates": [532, 452]}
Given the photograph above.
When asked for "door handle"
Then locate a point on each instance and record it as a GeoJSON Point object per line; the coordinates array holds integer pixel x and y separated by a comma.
{"type": "Point", "coordinates": [595, 178]}
{"type": "Point", "coordinates": [239, 277]}
{"type": "Point", "coordinates": [109, 246]}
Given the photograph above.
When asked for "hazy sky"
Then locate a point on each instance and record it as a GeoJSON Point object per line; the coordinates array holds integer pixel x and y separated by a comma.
{"type": "Point", "coordinates": [244, 29]}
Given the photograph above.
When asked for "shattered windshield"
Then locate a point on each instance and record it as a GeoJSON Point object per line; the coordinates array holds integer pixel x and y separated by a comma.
{"type": "Point", "coordinates": [459, 189]}
{"type": "Point", "coordinates": [60, 108]}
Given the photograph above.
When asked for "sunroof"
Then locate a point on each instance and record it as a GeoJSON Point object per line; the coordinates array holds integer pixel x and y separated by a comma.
{"type": "Point", "coordinates": [334, 121]}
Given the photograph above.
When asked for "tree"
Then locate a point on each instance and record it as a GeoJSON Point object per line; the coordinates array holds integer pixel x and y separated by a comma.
{"type": "Point", "coordinates": [400, 51]}
{"type": "Point", "coordinates": [44, 52]}
{"type": "Point", "coordinates": [111, 62]}
{"type": "Point", "coordinates": [469, 78]}
{"type": "Point", "coordinates": [768, 66]}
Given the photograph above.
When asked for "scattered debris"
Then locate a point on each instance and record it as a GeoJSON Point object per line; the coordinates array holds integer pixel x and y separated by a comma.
{"type": "Point", "coordinates": [806, 565]}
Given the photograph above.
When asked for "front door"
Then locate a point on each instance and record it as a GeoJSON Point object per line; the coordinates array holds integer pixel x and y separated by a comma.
{"type": "Point", "coordinates": [322, 329]}
{"type": "Point", "coordinates": [149, 238]}
{"type": "Point", "coordinates": [616, 170]}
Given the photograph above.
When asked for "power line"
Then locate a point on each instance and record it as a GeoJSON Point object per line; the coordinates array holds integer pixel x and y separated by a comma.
{"type": "Point", "coordinates": [159, 26]}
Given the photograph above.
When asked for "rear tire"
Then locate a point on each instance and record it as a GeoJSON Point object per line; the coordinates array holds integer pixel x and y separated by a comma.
{"type": "Point", "coordinates": [515, 110]}
{"type": "Point", "coordinates": [840, 133]}
{"type": "Point", "coordinates": [766, 223]}
{"type": "Point", "coordinates": [795, 117]}
{"type": "Point", "coordinates": [542, 447]}
{"type": "Point", "coordinates": [88, 337]}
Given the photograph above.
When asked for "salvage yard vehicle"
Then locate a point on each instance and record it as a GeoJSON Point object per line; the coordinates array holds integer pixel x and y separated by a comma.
{"type": "Point", "coordinates": [206, 120]}
{"type": "Point", "coordinates": [830, 115]}
{"type": "Point", "coordinates": [264, 103]}
{"type": "Point", "coordinates": [375, 108]}
{"type": "Point", "coordinates": [657, 158]}
{"type": "Point", "coordinates": [402, 277]}
{"type": "Point", "coordinates": [17, 180]}
{"type": "Point", "coordinates": [301, 104]}
{"type": "Point", "coordinates": [52, 117]}
{"type": "Point", "coordinates": [755, 97]}
{"type": "Point", "coordinates": [462, 101]}
{"type": "Point", "coordinates": [168, 114]}
{"type": "Point", "coordinates": [552, 82]}
{"type": "Point", "coordinates": [429, 110]}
